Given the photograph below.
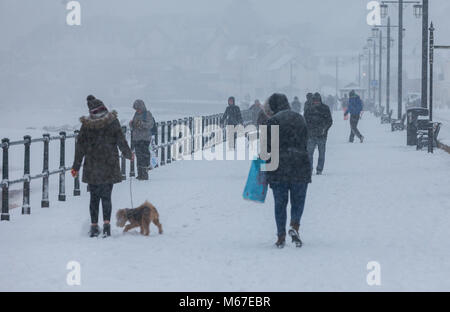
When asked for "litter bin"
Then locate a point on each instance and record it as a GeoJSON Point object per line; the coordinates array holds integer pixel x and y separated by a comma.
{"type": "Point", "coordinates": [411, 126]}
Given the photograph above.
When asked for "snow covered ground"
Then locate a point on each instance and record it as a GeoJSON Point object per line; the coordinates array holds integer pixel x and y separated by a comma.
{"type": "Point", "coordinates": [378, 201]}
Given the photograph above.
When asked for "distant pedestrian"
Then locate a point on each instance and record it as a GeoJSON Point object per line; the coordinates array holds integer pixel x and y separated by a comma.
{"type": "Point", "coordinates": [355, 108]}
{"type": "Point", "coordinates": [255, 110]}
{"type": "Point", "coordinates": [344, 101]}
{"type": "Point", "coordinates": [291, 178]}
{"type": "Point", "coordinates": [232, 117]}
{"type": "Point", "coordinates": [318, 120]}
{"type": "Point", "coordinates": [141, 136]}
{"type": "Point", "coordinates": [296, 106]}
{"type": "Point", "coordinates": [263, 116]}
{"type": "Point", "coordinates": [99, 137]}
{"type": "Point", "coordinates": [308, 102]}
{"type": "Point", "coordinates": [331, 102]}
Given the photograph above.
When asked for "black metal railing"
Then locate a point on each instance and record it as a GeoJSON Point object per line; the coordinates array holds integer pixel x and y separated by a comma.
{"type": "Point", "coordinates": [172, 141]}
{"type": "Point", "coordinates": [27, 177]}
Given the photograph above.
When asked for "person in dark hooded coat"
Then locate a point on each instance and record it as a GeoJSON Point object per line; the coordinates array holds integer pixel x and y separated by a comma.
{"type": "Point", "coordinates": [232, 117]}
{"type": "Point", "coordinates": [308, 102]}
{"type": "Point", "coordinates": [293, 174]}
{"type": "Point", "coordinates": [319, 121]}
{"type": "Point", "coordinates": [141, 136]}
{"type": "Point", "coordinates": [98, 141]}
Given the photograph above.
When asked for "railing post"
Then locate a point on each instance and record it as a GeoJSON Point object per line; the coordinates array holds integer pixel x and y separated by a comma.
{"type": "Point", "coordinates": [76, 181]}
{"type": "Point", "coordinates": [203, 131]}
{"type": "Point", "coordinates": [163, 142]}
{"type": "Point", "coordinates": [5, 182]}
{"type": "Point", "coordinates": [157, 139]}
{"type": "Point", "coordinates": [45, 202]}
{"type": "Point", "coordinates": [169, 142]}
{"type": "Point", "coordinates": [26, 209]}
{"type": "Point", "coordinates": [62, 167]}
{"type": "Point", "coordinates": [123, 167]}
{"type": "Point", "coordinates": [186, 136]}
{"type": "Point", "coordinates": [175, 138]}
{"type": "Point", "coordinates": [191, 129]}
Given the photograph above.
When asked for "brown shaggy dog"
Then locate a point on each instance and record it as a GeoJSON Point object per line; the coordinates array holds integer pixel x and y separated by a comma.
{"type": "Point", "coordinates": [141, 216]}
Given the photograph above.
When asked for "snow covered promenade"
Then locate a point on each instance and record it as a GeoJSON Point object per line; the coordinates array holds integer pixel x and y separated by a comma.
{"type": "Point", "coordinates": [378, 201]}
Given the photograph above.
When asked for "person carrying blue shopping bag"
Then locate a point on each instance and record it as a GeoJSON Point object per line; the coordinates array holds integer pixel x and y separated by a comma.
{"type": "Point", "coordinates": [290, 180]}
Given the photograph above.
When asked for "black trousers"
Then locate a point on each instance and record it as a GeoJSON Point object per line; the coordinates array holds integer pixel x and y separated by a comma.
{"type": "Point", "coordinates": [142, 149]}
{"type": "Point", "coordinates": [354, 119]}
{"type": "Point", "coordinates": [100, 192]}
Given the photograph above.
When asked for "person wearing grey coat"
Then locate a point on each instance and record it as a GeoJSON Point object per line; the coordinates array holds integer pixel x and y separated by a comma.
{"type": "Point", "coordinates": [141, 137]}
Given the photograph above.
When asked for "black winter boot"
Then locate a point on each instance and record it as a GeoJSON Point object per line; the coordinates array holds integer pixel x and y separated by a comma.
{"type": "Point", "coordinates": [281, 242]}
{"type": "Point", "coordinates": [106, 230]}
{"type": "Point", "coordinates": [94, 232]}
{"type": "Point", "coordinates": [293, 233]}
{"type": "Point", "coordinates": [142, 174]}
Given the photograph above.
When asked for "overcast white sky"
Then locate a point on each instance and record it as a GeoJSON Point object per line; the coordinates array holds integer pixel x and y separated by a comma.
{"type": "Point", "coordinates": [330, 18]}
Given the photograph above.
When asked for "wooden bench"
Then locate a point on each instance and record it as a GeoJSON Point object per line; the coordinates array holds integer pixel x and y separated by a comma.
{"type": "Point", "coordinates": [398, 124]}
{"type": "Point", "coordinates": [386, 118]}
{"type": "Point", "coordinates": [425, 130]}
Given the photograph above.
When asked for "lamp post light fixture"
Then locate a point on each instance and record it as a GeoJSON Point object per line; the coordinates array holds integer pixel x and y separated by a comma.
{"type": "Point", "coordinates": [418, 10]}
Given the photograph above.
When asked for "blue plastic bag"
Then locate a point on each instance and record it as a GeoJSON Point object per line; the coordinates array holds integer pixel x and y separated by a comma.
{"type": "Point", "coordinates": [256, 186]}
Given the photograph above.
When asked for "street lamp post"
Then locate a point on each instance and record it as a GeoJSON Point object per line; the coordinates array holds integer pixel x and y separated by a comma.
{"type": "Point", "coordinates": [432, 48]}
{"type": "Point", "coordinates": [360, 56]}
{"type": "Point", "coordinates": [374, 69]}
{"type": "Point", "coordinates": [388, 67]}
{"type": "Point", "coordinates": [424, 48]}
{"type": "Point", "coordinates": [400, 59]}
{"type": "Point", "coordinates": [380, 70]}
{"type": "Point", "coordinates": [369, 76]}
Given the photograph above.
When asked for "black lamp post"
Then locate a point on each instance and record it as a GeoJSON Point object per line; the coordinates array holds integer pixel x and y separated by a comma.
{"type": "Point", "coordinates": [420, 10]}
{"type": "Point", "coordinates": [432, 48]}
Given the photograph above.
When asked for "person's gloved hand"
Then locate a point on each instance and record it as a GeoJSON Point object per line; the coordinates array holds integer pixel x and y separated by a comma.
{"type": "Point", "coordinates": [132, 156]}
{"type": "Point", "coordinates": [74, 173]}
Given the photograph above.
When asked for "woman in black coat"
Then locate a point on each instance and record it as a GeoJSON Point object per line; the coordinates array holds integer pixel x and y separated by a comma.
{"type": "Point", "coordinates": [293, 174]}
{"type": "Point", "coordinates": [100, 136]}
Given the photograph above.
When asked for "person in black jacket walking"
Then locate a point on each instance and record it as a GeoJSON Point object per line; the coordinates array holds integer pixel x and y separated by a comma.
{"type": "Point", "coordinates": [99, 137]}
{"type": "Point", "coordinates": [319, 121]}
{"type": "Point", "coordinates": [308, 102]}
{"type": "Point", "coordinates": [232, 117]}
{"type": "Point", "coordinates": [293, 174]}
{"type": "Point", "coordinates": [141, 136]}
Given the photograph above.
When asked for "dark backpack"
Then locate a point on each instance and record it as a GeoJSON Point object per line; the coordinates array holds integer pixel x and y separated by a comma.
{"type": "Point", "coordinates": [154, 129]}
